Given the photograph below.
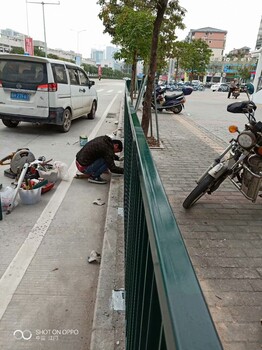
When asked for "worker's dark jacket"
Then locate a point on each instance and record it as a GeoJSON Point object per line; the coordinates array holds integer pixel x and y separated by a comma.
{"type": "Point", "coordinates": [99, 147]}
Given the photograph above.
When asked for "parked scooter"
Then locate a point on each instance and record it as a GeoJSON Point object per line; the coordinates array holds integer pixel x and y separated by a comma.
{"type": "Point", "coordinates": [173, 103]}
{"type": "Point", "coordinates": [240, 162]}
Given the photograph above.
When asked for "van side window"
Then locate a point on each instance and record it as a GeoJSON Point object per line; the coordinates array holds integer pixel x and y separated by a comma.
{"type": "Point", "coordinates": [59, 73]}
{"type": "Point", "coordinates": [83, 78]}
{"type": "Point", "coordinates": [73, 75]}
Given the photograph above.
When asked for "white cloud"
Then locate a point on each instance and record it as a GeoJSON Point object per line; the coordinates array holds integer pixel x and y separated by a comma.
{"type": "Point", "coordinates": [62, 22]}
{"type": "Point", "coordinates": [239, 19]}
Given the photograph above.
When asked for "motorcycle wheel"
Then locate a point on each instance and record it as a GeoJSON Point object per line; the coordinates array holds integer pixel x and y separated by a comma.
{"type": "Point", "coordinates": [176, 109]}
{"type": "Point", "coordinates": [199, 191]}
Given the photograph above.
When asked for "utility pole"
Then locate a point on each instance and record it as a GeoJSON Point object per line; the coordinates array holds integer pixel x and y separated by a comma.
{"type": "Point", "coordinates": [27, 18]}
{"type": "Point", "coordinates": [43, 9]}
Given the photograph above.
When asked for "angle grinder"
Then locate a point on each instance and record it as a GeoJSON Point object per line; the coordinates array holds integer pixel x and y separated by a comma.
{"type": "Point", "coordinates": [17, 160]}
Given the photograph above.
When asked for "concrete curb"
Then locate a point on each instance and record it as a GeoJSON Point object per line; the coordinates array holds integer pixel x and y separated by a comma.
{"type": "Point", "coordinates": [108, 324]}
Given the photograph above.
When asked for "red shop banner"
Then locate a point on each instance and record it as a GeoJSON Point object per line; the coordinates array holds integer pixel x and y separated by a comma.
{"type": "Point", "coordinates": [29, 46]}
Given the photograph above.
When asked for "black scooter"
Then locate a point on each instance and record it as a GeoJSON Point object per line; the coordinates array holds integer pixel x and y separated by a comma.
{"type": "Point", "coordinates": [173, 103]}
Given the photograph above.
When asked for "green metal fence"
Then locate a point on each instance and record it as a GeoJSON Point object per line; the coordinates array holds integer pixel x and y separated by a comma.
{"type": "Point", "coordinates": [165, 307]}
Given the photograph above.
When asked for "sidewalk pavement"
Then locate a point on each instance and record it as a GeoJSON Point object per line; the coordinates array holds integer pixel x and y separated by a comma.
{"type": "Point", "coordinates": [108, 330]}
{"type": "Point", "coordinates": [222, 233]}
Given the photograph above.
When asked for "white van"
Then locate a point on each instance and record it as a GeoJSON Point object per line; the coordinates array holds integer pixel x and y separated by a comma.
{"type": "Point", "coordinates": [46, 91]}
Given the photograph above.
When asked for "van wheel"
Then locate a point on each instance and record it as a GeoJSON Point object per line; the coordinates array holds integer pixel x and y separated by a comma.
{"type": "Point", "coordinates": [67, 121]}
{"type": "Point", "coordinates": [10, 123]}
{"type": "Point", "coordinates": [92, 113]}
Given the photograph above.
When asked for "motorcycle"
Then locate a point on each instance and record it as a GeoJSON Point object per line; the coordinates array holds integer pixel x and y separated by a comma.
{"type": "Point", "coordinates": [173, 103]}
{"type": "Point", "coordinates": [240, 162]}
{"type": "Point", "coordinates": [236, 92]}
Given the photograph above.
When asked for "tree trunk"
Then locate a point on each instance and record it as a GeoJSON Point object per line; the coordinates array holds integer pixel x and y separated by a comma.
{"type": "Point", "coordinates": [133, 78]}
{"type": "Point", "coordinates": [161, 8]}
{"type": "Point", "coordinates": [177, 66]}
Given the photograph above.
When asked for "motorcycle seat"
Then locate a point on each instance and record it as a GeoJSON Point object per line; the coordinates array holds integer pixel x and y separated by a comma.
{"type": "Point", "coordinates": [241, 107]}
{"type": "Point", "coordinates": [173, 96]}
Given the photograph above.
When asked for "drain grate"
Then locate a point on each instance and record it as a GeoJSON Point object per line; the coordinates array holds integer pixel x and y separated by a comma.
{"type": "Point", "coordinates": [111, 115]}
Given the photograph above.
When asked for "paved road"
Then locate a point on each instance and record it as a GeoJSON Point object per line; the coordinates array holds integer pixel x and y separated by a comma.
{"type": "Point", "coordinates": [47, 286]}
{"type": "Point", "coordinates": [223, 231]}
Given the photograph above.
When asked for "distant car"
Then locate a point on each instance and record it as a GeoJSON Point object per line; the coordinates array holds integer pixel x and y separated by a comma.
{"type": "Point", "coordinates": [196, 82]}
{"type": "Point", "coordinates": [220, 87]}
{"type": "Point", "coordinates": [208, 85]}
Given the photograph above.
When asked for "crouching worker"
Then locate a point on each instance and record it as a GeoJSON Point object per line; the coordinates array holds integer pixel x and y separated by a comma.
{"type": "Point", "coordinates": [98, 156]}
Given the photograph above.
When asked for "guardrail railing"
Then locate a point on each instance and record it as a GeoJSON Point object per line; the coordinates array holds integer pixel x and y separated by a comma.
{"type": "Point", "coordinates": [165, 307]}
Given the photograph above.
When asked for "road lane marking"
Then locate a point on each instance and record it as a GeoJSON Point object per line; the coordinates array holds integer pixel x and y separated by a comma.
{"type": "Point", "coordinates": [18, 266]}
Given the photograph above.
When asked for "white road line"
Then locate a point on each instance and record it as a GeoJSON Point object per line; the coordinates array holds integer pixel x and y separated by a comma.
{"type": "Point", "coordinates": [109, 91]}
{"type": "Point", "coordinates": [18, 266]}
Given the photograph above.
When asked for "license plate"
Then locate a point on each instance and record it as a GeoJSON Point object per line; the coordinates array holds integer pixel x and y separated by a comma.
{"type": "Point", "coordinates": [20, 96]}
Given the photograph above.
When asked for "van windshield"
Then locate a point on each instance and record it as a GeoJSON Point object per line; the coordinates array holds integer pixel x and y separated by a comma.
{"type": "Point", "coordinates": [29, 74]}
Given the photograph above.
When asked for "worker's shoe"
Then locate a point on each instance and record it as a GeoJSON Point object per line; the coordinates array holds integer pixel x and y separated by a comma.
{"type": "Point", "coordinates": [97, 180]}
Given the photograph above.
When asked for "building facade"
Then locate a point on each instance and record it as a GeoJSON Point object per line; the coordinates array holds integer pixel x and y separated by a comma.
{"type": "Point", "coordinates": [259, 36]}
{"type": "Point", "coordinates": [10, 39]}
{"type": "Point", "coordinates": [98, 56]}
{"type": "Point", "coordinates": [215, 39]}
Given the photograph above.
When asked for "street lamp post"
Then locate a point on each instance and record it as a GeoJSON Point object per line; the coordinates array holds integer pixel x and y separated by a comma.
{"type": "Point", "coordinates": [77, 38]}
{"type": "Point", "coordinates": [27, 18]}
{"type": "Point", "coordinates": [79, 31]}
{"type": "Point", "coordinates": [43, 9]}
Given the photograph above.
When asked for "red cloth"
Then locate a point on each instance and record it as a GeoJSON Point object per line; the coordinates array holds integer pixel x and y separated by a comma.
{"type": "Point", "coordinates": [80, 167]}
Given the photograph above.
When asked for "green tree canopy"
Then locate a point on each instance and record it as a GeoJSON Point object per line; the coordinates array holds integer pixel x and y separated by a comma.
{"type": "Point", "coordinates": [244, 72]}
{"type": "Point", "coordinates": [133, 34]}
{"type": "Point", "coordinates": [140, 28]}
{"type": "Point", "coordinates": [18, 50]}
{"type": "Point", "coordinates": [195, 57]}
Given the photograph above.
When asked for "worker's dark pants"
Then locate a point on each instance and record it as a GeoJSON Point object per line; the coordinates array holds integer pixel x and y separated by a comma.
{"type": "Point", "coordinates": [97, 168]}
{"type": "Point", "coordinates": [230, 92]}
